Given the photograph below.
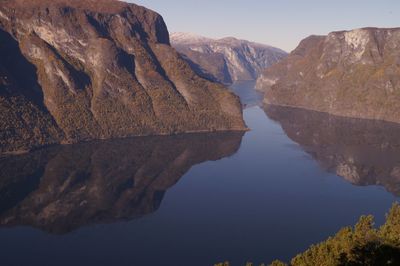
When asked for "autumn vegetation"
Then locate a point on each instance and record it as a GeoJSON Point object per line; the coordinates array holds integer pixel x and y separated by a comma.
{"type": "Point", "coordinates": [363, 244]}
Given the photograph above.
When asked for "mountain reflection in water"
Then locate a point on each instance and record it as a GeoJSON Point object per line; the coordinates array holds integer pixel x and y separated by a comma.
{"type": "Point", "coordinates": [364, 152]}
{"type": "Point", "coordinates": [62, 188]}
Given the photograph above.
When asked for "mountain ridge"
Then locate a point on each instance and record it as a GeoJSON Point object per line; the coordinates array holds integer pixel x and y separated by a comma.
{"type": "Point", "coordinates": [226, 59]}
{"type": "Point", "coordinates": [98, 70]}
{"type": "Point", "coordinates": [354, 73]}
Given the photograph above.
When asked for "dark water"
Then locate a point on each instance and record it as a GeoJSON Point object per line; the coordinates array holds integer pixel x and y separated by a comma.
{"type": "Point", "coordinates": [293, 180]}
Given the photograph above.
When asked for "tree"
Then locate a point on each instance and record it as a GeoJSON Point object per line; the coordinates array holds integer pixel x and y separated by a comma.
{"type": "Point", "coordinates": [390, 231]}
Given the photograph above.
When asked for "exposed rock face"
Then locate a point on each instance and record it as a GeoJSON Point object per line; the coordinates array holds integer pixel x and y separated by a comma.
{"type": "Point", "coordinates": [349, 73]}
{"type": "Point", "coordinates": [364, 152]}
{"type": "Point", "coordinates": [62, 188]}
{"type": "Point", "coordinates": [74, 70]}
{"type": "Point", "coordinates": [226, 60]}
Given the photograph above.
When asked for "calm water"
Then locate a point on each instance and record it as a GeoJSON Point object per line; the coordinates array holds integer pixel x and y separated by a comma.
{"type": "Point", "coordinates": [294, 179]}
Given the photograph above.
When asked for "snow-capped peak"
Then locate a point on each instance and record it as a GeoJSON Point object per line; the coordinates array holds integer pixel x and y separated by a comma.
{"type": "Point", "coordinates": [230, 58]}
{"type": "Point", "coordinates": [187, 37]}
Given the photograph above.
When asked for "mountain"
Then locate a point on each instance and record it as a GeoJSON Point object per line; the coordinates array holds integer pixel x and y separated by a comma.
{"type": "Point", "coordinates": [364, 152]}
{"type": "Point", "coordinates": [76, 70]}
{"type": "Point", "coordinates": [225, 60]}
{"type": "Point", "coordinates": [60, 189]}
{"type": "Point", "coordinates": [348, 73]}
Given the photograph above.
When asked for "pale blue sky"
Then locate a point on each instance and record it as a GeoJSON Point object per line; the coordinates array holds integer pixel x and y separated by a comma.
{"type": "Point", "coordinates": [281, 23]}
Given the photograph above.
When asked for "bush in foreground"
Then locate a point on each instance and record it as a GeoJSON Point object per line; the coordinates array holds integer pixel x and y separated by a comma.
{"type": "Point", "coordinates": [362, 244]}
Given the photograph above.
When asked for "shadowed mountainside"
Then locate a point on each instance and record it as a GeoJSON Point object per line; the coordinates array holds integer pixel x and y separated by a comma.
{"type": "Point", "coordinates": [76, 70]}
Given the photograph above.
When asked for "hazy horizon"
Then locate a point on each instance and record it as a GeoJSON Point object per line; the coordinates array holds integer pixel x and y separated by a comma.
{"type": "Point", "coordinates": [281, 24]}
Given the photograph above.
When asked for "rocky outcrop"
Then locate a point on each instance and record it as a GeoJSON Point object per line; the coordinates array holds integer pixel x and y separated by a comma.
{"type": "Point", "coordinates": [364, 152]}
{"type": "Point", "coordinates": [226, 60]}
{"type": "Point", "coordinates": [62, 188]}
{"type": "Point", "coordinates": [75, 70]}
{"type": "Point", "coordinates": [348, 73]}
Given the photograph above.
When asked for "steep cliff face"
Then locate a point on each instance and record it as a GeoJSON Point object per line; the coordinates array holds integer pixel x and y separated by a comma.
{"type": "Point", "coordinates": [226, 60]}
{"type": "Point", "coordinates": [364, 152]}
{"type": "Point", "coordinates": [73, 70]}
{"type": "Point", "coordinates": [349, 73]}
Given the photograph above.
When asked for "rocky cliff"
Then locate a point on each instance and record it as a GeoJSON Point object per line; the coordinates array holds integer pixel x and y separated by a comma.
{"type": "Point", "coordinates": [362, 151]}
{"type": "Point", "coordinates": [226, 60]}
{"type": "Point", "coordinates": [75, 70]}
{"type": "Point", "coordinates": [59, 189]}
{"type": "Point", "coordinates": [349, 73]}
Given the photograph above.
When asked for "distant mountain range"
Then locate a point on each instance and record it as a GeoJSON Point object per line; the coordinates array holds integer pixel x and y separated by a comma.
{"type": "Point", "coordinates": [225, 60]}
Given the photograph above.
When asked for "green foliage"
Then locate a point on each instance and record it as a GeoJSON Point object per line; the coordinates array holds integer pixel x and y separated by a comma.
{"type": "Point", "coordinates": [226, 263]}
{"type": "Point", "coordinates": [358, 246]}
{"type": "Point", "coordinates": [390, 231]}
{"type": "Point", "coordinates": [278, 263]}
{"type": "Point", "coordinates": [363, 245]}
{"type": "Point", "coordinates": [364, 231]}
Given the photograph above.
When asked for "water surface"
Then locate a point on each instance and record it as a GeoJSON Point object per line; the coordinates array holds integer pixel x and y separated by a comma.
{"type": "Point", "coordinates": [294, 179]}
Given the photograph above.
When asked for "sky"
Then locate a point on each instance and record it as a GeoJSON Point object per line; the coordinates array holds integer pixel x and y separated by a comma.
{"type": "Point", "coordinates": [280, 23]}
